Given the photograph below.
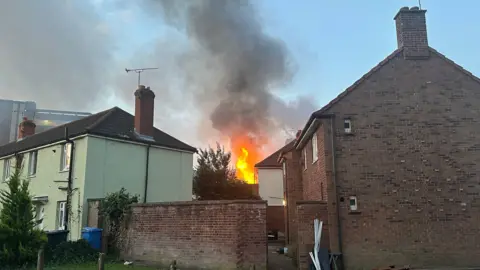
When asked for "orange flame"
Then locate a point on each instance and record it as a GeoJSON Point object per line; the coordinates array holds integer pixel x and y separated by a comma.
{"type": "Point", "coordinates": [247, 154]}
{"type": "Point", "coordinates": [244, 169]}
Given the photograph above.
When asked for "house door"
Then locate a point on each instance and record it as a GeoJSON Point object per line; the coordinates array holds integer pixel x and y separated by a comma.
{"type": "Point", "coordinates": [94, 218]}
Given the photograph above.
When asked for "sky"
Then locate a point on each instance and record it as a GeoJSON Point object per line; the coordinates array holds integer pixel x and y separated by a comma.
{"type": "Point", "coordinates": [331, 44]}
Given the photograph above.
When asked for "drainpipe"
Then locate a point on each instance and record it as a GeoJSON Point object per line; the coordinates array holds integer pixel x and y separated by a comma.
{"type": "Point", "coordinates": [69, 180]}
{"type": "Point", "coordinates": [146, 174]}
{"type": "Point", "coordinates": [334, 179]}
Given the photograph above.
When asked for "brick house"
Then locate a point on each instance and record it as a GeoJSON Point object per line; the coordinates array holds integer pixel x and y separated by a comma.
{"type": "Point", "coordinates": [391, 165]}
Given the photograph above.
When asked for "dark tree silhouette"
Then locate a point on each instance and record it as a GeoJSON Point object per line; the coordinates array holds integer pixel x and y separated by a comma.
{"type": "Point", "coordinates": [214, 179]}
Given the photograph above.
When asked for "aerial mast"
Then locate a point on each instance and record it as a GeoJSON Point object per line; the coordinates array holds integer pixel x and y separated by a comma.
{"type": "Point", "coordinates": [138, 71]}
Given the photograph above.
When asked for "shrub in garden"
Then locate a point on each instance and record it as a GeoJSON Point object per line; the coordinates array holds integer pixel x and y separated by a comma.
{"type": "Point", "coordinates": [115, 208]}
{"type": "Point", "coordinates": [71, 252]}
{"type": "Point", "coordinates": [20, 240]}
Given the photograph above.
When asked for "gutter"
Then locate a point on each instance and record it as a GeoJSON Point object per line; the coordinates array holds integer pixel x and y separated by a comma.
{"type": "Point", "coordinates": [146, 174]}
{"type": "Point", "coordinates": [334, 179]}
{"type": "Point", "coordinates": [69, 179]}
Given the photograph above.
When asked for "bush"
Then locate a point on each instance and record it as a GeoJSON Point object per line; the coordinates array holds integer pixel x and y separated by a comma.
{"type": "Point", "coordinates": [19, 238]}
{"type": "Point", "coordinates": [115, 208]}
{"type": "Point", "coordinates": [71, 252]}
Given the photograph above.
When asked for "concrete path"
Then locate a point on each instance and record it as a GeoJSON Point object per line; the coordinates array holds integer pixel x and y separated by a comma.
{"type": "Point", "coordinates": [278, 261]}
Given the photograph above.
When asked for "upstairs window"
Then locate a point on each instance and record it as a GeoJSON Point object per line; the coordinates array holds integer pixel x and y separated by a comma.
{"type": "Point", "coordinates": [305, 158]}
{"type": "Point", "coordinates": [32, 163]}
{"type": "Point", "coordinates": [314, 148]}
{"type": "Point", "coordinates": [347, 125]}
{"type": "Point", "coordinates": [65, 162]}
{"type": "Point", "coordinates": [7, 169]}
{"type": "Point", "coordinates": [353, 203]}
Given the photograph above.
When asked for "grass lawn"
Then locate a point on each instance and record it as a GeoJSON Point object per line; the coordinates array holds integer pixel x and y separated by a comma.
{"type": "Point", "coordinates": [94, 266]}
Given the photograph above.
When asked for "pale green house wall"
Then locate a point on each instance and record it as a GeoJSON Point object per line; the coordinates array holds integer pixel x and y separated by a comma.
{"type": "Point", "coordinates": [102, 166]}
{"type": "Point", "coordinates": [113, 164]}
{"type": "Point", "coordinates": [49, 178]}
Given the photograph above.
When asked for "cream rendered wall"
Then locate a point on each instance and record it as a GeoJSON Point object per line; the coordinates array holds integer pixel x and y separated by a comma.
{"type": "Point", "coordinates": [270, 183]}
{"type": "Point", "coordinates": [113, 164]}
{"type": "Point", "coordinates": [49, 178]}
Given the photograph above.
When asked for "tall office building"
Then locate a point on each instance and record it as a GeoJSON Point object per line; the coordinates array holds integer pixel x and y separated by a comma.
{"type": "Point", "coordinates": [12, 113]}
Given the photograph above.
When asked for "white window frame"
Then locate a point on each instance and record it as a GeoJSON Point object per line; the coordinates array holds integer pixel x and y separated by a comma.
{"type": "Point", "coordinates": [353, 203]}
{"type": "Point", "coordinates": [7, 169]}
{"type": "Point", "coordinates": [347, 121]}
{"type": "Point", "coordinates": [62, 208]}
{"type": "Point", "coordinates": [305, 158]}
{"type": "Point", "coordinates": [284, 168]}
{"type": "Point", "coordinates": [314, 148]}
{"type": "Point", "coordinates": [40, 216]}
{"type": "Point", "coordinates": [32, 163]}
{"type": "Point", "coordinates": [66, 158]}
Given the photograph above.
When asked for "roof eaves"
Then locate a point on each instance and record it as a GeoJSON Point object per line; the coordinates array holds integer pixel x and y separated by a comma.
{"type": "Point", "coordinates": [128, 139]}
{"type": "Point", "coordinates": [321, 112]}
{"type": "Point", "coordinates": [445, 58]}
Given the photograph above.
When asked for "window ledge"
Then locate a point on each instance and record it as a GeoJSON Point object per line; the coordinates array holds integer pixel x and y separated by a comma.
{"type": "Point", "coordinates": [356, 212]}
{"type": "Point", "coordinates": [64, 171]}
{"type": "Point", "coordinates": [313, 162]}
{"type": "Point", "coordinates": [349, 134]}
{"type": "Point", "coordinates": [60, 181]}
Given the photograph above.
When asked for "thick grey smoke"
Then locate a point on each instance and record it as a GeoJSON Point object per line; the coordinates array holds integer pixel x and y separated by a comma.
{"type": "Point", "coordinates": [243, 65]}
{"type": "Point", "coordinates": [55, 53]}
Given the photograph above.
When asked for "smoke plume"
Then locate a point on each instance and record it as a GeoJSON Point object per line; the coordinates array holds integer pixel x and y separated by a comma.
{"type": "Point", "coordinates": [55, 53]}
{"type": "Point", "coordinates": [231, 67]}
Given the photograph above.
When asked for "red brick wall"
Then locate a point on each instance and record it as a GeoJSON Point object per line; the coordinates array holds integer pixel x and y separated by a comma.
{"type": "Point", "coordinates": [307, 212]}
{"type": "Point", "coordinates": [413, 162]}
{"type": "Point", "coordinates": [276, 218]}
{"type": "Point", "coordinates": [314, 176]}
{"type": "Point", "coordinates": [203, 234]}
{"type": "Point", "coordinates": [293, 187]}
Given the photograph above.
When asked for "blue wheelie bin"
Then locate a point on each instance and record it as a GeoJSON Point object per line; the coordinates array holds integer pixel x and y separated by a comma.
{"type": "Point", "coordinates": [93, 236]}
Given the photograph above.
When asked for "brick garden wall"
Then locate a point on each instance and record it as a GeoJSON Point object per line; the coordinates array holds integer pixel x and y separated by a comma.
{"type": "Point", "coordinates": [307, 212]}
{"type": "Point", "coordinates": [202, 234]}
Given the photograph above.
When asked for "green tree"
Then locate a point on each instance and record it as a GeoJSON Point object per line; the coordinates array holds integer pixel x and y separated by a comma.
{"type": "Point", "coordinates": [214, 179]}
{"type": "Point", "coordinates": [20, 240]}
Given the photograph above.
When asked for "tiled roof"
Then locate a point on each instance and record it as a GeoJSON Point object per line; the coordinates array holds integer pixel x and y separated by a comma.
{"type": "Point", "coordinates": [113, 123]}
{"type": "Point", "coordinates": [272, 160]}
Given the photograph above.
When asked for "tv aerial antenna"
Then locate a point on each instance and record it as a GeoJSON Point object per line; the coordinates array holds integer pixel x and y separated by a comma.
{"type": "Point", "coordinates": [138, 71]}
{"type": "Point", "coordinates": [420, 4]}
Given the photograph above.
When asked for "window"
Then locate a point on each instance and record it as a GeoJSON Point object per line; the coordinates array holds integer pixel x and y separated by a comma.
{"type": "Point", "coordinates": [61, 215]}
{"type": "Point", "coordinates": [65, 165]}
{"type": "Point", "coordinates": [314, 148]}
{"type": "Point", "coordinates": [347, 125]}
{"type": "Point", "coordinates": [40, 214]}
{"type": "Point", "coordinates": [353, 203]}
{"type": "Point", "coordinates": [7, 168]}
{"type": "Point", "coordinates": [305, 158]}
{"type": "Point", "coordinates": [32, 163]}
{"type": "Point", "coordinates": [284, 168]}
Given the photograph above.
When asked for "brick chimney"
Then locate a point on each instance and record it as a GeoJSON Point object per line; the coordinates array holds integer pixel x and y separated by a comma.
{"type": "Point", "coordinates": [26, 128]}
{"type": "Point", "coordinates": [412, 33]}
{"type": "Point", "coordinates": [144, 107]}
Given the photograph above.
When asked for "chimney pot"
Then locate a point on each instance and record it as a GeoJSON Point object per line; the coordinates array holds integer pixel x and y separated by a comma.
{"type": "Point", "coordinates": [144, 111]}
{"type": "Point", "coordinates": [26, 128]}
{"type": "Point", "coordinates": [412, 33]}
